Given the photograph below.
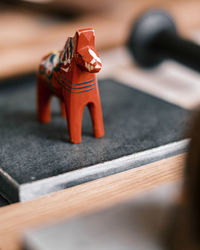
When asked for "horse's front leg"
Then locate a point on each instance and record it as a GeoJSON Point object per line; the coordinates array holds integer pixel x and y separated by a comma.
{"type": "Point", "coordinates": [62, 107]}
{"type": "Point", "coordinates": [43, 101]}
{"type": "Point", "coordinates": [74, 120]}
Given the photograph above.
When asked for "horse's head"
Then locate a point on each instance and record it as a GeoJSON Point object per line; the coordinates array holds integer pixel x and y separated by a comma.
{"type": "Point", "coordinates": [86, 55]}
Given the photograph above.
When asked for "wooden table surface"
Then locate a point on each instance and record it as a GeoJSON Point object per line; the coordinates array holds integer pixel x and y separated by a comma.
{"type": "Point", "coordinates": [14, 219]}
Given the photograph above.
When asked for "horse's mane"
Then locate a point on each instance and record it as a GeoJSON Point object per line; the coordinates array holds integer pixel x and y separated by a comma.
{"type": "Point", "coordinates": [65, 55]}
{"type": "Point", "coordinates": [67, 52]}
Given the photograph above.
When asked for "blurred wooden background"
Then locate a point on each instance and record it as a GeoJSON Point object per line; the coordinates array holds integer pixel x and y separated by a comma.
{"type": "Point", "coordinates": [27, 34]}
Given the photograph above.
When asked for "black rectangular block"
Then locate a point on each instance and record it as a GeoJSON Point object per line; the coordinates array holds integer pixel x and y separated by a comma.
{"type": "Point", "coordinates": [37, 159]}
{"type": "Point", "coordinates": [3, 202]}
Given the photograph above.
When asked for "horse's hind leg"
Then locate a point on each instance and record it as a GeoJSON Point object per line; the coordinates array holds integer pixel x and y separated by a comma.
{"type": "Point", "coordinates": [43, 101]}
{"type": "Point", "coordinates": [62, 107]}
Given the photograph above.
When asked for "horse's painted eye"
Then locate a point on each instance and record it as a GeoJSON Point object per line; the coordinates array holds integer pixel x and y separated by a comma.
{"type": "Point", "coordinates": [81, 55]}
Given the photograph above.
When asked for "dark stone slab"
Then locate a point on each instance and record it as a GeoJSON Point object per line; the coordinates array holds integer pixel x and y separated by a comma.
{"type": "Point", "coordinates": [37, 159]}
{"type": "Point", "coordinates": [3, 202]}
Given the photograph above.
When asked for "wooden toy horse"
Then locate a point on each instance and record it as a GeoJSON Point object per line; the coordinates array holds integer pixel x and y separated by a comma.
{"type": "Point", "coordinates": [70, 75]}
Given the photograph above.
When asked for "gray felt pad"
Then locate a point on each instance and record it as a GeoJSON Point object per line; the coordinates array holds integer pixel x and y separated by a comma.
{"type": "Point", "coordinates": [31, 153]}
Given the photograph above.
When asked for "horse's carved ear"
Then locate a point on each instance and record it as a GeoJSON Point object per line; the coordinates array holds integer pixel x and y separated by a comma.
{"type": "Point", "coordinates": [85, 37]}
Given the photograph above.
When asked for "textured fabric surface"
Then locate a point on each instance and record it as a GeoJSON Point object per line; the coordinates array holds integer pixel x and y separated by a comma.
{"type": "Point", "coordinates": [134, 122]}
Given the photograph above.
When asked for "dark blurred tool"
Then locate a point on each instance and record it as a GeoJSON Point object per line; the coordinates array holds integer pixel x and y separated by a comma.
{"type": "Point", "coordinates": [154, 38]}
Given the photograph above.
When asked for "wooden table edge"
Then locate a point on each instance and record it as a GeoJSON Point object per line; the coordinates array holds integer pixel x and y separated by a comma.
{"type": "Point", "coordinates": [87, 197]}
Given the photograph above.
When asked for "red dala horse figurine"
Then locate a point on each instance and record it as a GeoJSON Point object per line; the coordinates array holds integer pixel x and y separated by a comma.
{"type": "Point", "coordinates": [70, 75]}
